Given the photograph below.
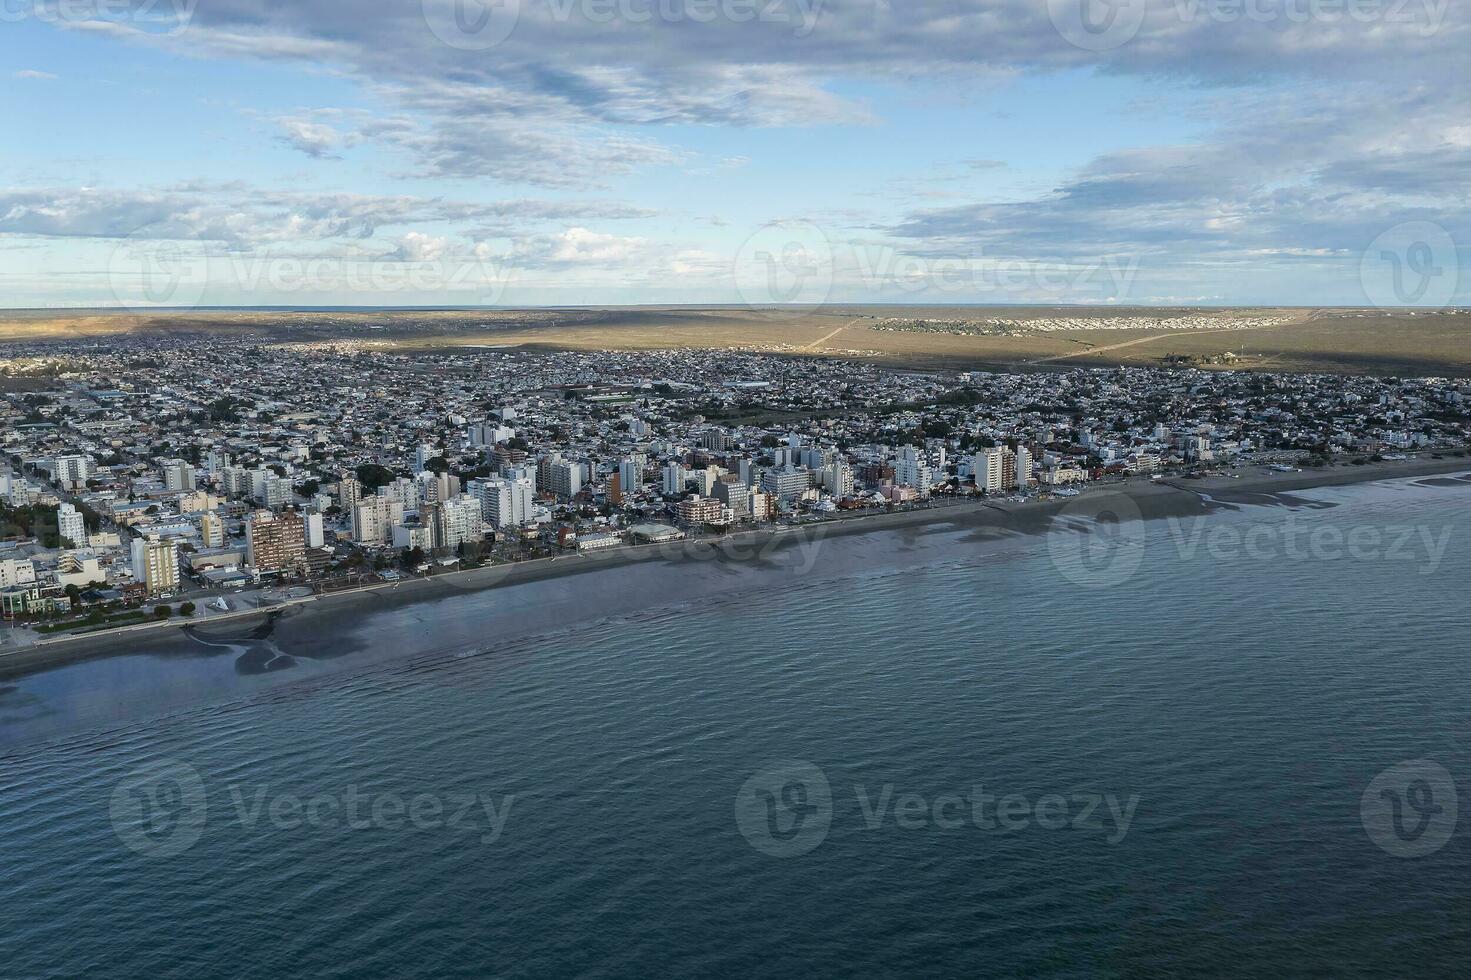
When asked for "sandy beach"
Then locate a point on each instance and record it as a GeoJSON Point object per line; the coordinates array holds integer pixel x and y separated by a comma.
{"type": "Point", "coordinates": [319, 619]}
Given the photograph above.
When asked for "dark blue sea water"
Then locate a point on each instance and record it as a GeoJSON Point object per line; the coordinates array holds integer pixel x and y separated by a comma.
{"type": "Point", "coordinates": [780, 776]}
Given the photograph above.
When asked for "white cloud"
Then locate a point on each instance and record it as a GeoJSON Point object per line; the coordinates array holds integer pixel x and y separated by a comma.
{"type": "Point", "coordinates": [242, 216]}
{"type": "Point", "coordinates": [315, 139]}
{"type": "Point", "coordinates": [419, 247]}
{"type": "Point", "coordinates": [579, 245]}
{"type": "Point", "coordinates": [1318, 135]}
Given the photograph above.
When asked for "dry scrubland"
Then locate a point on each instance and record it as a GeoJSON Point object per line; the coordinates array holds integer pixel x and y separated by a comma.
{"type": "Point", "coordinates": [1348, 341]}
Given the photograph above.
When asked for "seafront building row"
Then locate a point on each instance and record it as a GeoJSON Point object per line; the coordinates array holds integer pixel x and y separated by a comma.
{"type": "Point", "coordinates": [158, 468]}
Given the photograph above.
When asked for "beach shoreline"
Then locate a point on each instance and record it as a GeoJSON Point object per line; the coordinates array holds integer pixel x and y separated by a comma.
{"type": "Point", "coordinates": [1151, 499]}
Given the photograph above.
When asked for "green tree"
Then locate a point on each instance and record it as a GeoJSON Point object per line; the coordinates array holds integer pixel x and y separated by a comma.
{"type": "Point", "coordinates": [373, 475]}
{"type": "Point", "coordinates": [163, 612]}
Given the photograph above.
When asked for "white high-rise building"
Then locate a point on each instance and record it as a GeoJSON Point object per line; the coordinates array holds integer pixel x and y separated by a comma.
{"type": "Point", "coordinates": [156, 564]}
{"type": "Point", "coordinates": [673, 477]}
{"type": "Point", "coordinates": [504, 502]}
{"type": "Point", "coordinates": [455, 522]}
{"type": "Point", "coordinates": [526, 472]}
{"type": "Point", "coordinates": [986, 468]}
{"type": "Point", "coordinates": [16, 571]}
{"type": "Point", "coordinates": [71, 525]}
{"type": "Point", "coordinates": [178, 475]}
{"type": "Point", "coordinates": [998, 469]}
{"type": "Point", "coordinates": [236, 481]}
{"type": "Point", "coordinates": [414, 535]}
{"type": "Point", "coordinates": [630, 476]}
{"type": "Point", "coordinates": [704, 480]}
{"type": "Point", "coordinates": [277, 491]}
{"type": "Point", "coordinates": [490, 433]}
{"type": "Point", "coordinates": [817, 459]}
{"type": "Point", "coordinates": [315, 538]}
{"type": "Point", "coordinates": [15, 491]}
{"type": "Point", "coordinates": [564, 479]}
{"type": "Point", "coordinates": [911, 470]}
{"type": "Point", "coordinates": [266, 487]}
{"type": "Point", "coordinates": [787, 483]}
{"type": "Point", "coordinates": [373, 519]}
{"type": "Point", "coordinates": [735, 496]}
{"type": "Point", "coordinates": [837, 479]}
{"type": "Point", "coordinates": [258, 478]}
{"type": "Point", "coordinates": [211, 530]}
{"type": "Point", "coordinates": [436, 487]}
{"type": "Point", "coordinates": [405, 491]}
{"type": "Point", "coordinates": [72, 471]}
{"type": "Point", "coordinates": [349, 492]}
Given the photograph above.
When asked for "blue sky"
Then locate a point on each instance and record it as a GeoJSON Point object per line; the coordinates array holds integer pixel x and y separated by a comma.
{"type": "Point", "coordinates": [326, 152]}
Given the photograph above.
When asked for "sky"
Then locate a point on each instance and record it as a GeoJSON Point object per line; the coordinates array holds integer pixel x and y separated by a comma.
{"type": "Point", "coordinates": [801, 152]}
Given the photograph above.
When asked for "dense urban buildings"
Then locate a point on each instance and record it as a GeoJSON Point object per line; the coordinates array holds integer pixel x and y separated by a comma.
{"type": "Point", "coordinates": [231, 462]}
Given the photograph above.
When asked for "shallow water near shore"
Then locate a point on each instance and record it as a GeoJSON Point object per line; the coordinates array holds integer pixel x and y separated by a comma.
{"type": "Point", "coordinates": [1242, 683]}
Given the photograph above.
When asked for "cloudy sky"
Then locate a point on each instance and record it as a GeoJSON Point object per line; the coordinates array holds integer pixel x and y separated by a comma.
{"type": "Point", "coordinates": [460, 152]}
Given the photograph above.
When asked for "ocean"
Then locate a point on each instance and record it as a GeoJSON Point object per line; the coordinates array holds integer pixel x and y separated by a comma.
{"type": "Point", "coordinates": [1216, 746]}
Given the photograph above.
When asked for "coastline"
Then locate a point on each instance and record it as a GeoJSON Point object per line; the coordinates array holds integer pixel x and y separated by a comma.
{"type": "Point", "coordinates": [1154, 500]}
